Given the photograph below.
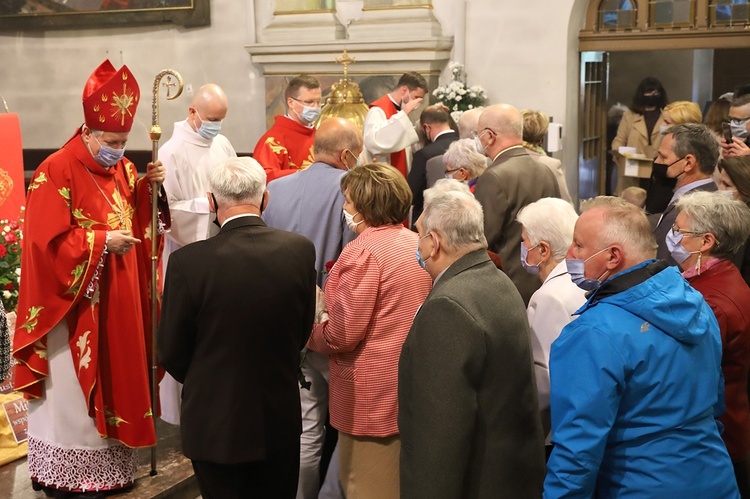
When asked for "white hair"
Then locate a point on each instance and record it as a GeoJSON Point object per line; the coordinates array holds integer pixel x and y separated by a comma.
{"type": "Point", "coordinates": [238, 180]}
{"type": "Point", "coordinates": [624, 224]}
{"type": "Point", "coordinates": [463, 154]}
{"type": "Point", "coordinates": [727, 219]}
{"type": "Point", "coordinates": [451, 210]}
{"type": "Point", "coordinates": [551, 220]}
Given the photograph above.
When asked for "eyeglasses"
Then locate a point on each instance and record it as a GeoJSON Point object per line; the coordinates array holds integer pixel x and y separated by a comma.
{"type": "Point", "coordinates": [311, 103]}
{"type": "Point", "coordinates": [448, 172]}
{"type": "Point", "coordinates": [477, 135]}
{"type": "Point", "coordinates": [690, 233]}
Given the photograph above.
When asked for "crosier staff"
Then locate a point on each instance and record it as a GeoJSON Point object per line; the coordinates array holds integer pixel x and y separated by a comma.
{"type": "Point", "coordinates": [155, 134]}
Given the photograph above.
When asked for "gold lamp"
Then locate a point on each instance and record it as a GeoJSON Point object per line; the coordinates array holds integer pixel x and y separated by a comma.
{"type": "Point", "coordinates": [346, 100]}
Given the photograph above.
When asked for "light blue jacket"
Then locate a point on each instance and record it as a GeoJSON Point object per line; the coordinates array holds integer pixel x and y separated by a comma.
{"type": "Point", "coordinates": [310, 203]}
{"type": "Point", "coordinates": [635, 385]}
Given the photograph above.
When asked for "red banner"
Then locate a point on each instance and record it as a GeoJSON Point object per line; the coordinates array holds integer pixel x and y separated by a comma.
{"type": "Point", "coordinates": [12, 191]}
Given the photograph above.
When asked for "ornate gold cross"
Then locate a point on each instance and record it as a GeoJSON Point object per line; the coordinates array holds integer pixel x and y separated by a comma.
{"type": "Point", "coordinates": [345, 60]}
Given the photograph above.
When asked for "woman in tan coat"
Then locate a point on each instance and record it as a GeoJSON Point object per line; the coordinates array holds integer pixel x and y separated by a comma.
{"type": "Point", "coordinates": [639, 127]}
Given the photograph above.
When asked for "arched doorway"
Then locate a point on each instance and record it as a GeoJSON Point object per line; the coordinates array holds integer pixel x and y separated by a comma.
{"type": "Point", "coordinates": [704, 30]}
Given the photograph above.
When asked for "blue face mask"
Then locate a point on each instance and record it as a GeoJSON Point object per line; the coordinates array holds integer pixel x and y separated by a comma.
{"type": "Point", "coordinates": [531, 269]}
{"type": "Point", "coordinates": [577, 272]}
{"type": "Point", "coordinates": [208, 129]}
{"type": "Point", "coordinates": [676, 249]}
{"type": "Point", "coordinates": [422, 263]}
{"type": "Point", "coordinates": [108, 156]}
{"type": "Point", "coordinates": [308, 114]}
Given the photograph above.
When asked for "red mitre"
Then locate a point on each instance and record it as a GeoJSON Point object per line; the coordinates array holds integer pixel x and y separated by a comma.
{"type": "Point", "coordinates": [110, 99]}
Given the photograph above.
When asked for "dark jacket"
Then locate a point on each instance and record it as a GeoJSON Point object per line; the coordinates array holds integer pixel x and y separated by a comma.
{"type": "Point", "coordinates": [418, 173]}
{"type": "Point", "coordinates": [467, 400]}
{"type": "Point", "coordinates": [237, 310]}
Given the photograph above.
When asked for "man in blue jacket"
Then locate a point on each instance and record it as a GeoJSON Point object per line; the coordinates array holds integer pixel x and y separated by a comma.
{"type": "Point", "coordinates": [636, 379]}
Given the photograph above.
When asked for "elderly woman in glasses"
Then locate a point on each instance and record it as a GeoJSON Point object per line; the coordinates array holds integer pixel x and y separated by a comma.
{"type": "Point", "coordinates": [546, 234]}
{"type": "Point", "coordinates": [707, 233]}
{"type": "Point", "coordinates": [463, 162]}
{"type": "Point", "coordinates": [372, 294]}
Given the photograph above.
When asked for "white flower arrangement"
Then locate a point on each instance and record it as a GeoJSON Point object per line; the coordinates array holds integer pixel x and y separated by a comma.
{"type": "Point", "coordinates": [456, 96]}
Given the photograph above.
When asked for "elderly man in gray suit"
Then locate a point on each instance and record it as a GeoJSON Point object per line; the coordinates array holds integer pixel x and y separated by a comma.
{"type": "Point", "coordinates": [310, 203]}
{"type": "Point", "coordinates": [513, 180]}
{"type": "Point", "coordinates": [467, 401]}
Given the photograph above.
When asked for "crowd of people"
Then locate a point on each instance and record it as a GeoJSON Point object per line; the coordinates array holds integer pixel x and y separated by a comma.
{"type": "Point", "coordinates": [425, 285]}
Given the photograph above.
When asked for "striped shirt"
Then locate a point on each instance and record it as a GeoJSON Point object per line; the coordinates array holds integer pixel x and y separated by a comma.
{"type": "Point", "coordinates": [372, 294]}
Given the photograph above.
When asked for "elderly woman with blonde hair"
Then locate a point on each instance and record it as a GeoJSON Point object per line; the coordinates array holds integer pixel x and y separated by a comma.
{"type": "Point", "coordinates": [464, 163]}
{"type": "Point", "coordinates": [535, 126]}
{"type": "Point", "coordinates": [371, 295]}
{"type": "Point", "coordinates": [707, 233]}
{"type": "Point", "coordinates": [546, 236]}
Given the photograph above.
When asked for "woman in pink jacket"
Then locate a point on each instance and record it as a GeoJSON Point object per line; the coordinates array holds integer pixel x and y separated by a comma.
{"type": "Point", "coordinates": [372, 294]}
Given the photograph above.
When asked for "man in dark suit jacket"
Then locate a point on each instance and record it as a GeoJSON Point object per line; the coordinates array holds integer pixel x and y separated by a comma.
{"type": "Point", "coordinates": [237, 310]}
{"type": "Point", "coordinates": [436, 123]}
{"type": "Point", "coordinates": [513, 180]}
{"type": "Point", "coordinates": [690, 153]}
{"type": "Point", "coordinates": [467, 401]}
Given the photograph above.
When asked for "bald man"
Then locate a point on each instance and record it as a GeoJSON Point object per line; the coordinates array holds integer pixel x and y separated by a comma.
{"type": "Point", "coordinates": [513, 180]}
{"type": "Point", "coordinates": [189, 155]}
{"type": "Point", "coordinates": [310, 203]}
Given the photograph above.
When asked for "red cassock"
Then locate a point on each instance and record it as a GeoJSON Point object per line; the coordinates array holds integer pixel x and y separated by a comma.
{"type": "Point", "coordinates": [72, 203]}
{"type": "Point", "coordinates": [285, 148]}
{"type": "Point", "coordinates": [398, 158]}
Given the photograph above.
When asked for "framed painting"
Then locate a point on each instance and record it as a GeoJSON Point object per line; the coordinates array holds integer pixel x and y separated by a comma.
{"type": "Point", "coordinates": [61, 14]}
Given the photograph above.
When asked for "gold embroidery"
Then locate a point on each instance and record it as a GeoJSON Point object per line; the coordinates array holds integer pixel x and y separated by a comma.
{"type": "Point", "coordinates": [32, 320]}
{"type": "Point", "coordinates": [123, 214]}
{"type": "Point", "coordinates": [275, 146]}
{"type": "Point", "coordinates": [84, 351]}
{"type": "Point", "coordinates": [40, 349]}
{"type": "Point", "coordinates": [65, 193]}
{"type": "Point", "coordinates": [82, 220]}
{"type": "Point", "coordinates": [38, 181]}
{"type": "Point", "coordinates": [122, 103]}
{"type": "Point", "coordinates": [77, 274]}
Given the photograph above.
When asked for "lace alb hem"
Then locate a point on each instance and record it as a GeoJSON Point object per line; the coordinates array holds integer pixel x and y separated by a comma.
{"type": "Point", "coordinates": [95, 278]}
{"type": "Point", "coordinates": [81, 470]}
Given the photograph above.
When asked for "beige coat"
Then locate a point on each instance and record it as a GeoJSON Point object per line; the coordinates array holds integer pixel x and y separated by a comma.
{"type": "Point", "coordinates": [632, 133]}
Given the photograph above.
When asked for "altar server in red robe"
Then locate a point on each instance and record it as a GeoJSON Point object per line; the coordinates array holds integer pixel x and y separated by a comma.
{"type": "Point", "coordinates": [388, 130]}
{"type": "Point", "coordinates": [82, 344]}
{"type": "Point", "coordinates": [287, 147]}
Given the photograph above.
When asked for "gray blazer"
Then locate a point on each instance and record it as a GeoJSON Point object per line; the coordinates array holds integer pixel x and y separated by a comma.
{"type": "Point", "coordinates": [435, 170]}
{"type": "Point", "coordinates": [666, 221]}
{"type": "Point", "coordinates": [468, 417]}
{"type": "Point", "coordinates": [513, 180]}
{"type": "Point", "coordinates": [310, 203]}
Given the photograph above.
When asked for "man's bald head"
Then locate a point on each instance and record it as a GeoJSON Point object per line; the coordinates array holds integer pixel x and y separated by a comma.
{"type": "Point", "coordinates": [501, 127]}
{"type": "Point", "coordinates": [468, 122]}
{"type": "Point", "coordinates": [211, 103]}
{"type": "Point", "coordinates": [334, 137]}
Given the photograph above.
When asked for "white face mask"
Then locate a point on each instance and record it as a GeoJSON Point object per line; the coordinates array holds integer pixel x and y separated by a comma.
{"type": "Point", "coordinates": [350, 220]}
{"type": "Point", "coordinates": [730, 193]}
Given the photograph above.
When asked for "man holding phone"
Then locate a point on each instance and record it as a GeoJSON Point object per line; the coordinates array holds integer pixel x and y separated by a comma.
{"type": "Point", "coordinates": [737, 131]}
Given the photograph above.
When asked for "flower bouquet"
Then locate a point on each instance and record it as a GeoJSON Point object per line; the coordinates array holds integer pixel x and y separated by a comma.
{"type": "Point", "coordinates": [10, 262]}
{"type": "Point", "coordinates": [456, 96]}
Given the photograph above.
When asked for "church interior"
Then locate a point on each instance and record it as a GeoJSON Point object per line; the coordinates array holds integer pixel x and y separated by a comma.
{"type": "Point", "coordinates": [571, 59]}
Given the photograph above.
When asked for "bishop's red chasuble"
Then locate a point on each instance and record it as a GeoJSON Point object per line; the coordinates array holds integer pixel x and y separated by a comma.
{"type": "Point", "coordinates": [285, 148]}
{"type": "Point", "coordinates": [67, 276]}
{"type": "Point", "coordinates": [398, 158]}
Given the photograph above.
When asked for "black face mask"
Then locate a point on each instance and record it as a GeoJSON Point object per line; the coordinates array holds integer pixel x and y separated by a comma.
{"type": "Point", "coordinates": [659, 175]}
{"type": "Point", "coordinates": [216, 215]}
{"type": "Point", "coordinates": [651, 100]}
